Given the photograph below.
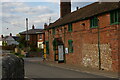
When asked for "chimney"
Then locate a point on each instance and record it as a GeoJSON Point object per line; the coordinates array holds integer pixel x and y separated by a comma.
{"type": "Point", "coordinates": [1, 36]}
{"type": "Point", "coordinates": [45, 25]}
{"type": "Point", "coordinates": [10, 34]}
{"type": "Point", "coordinates": [65, 7]}
{"type": "Point", "coordinates": [33, 27]}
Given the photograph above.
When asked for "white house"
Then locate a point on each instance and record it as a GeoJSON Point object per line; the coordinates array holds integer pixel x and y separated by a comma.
{"type": "Point", "coordinates": [10, 40]}
{"type": "Point", "coordinates": [0, 41]}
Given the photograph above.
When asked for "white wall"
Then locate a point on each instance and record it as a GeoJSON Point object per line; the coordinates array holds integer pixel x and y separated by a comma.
{"type": "Point", "coordinates": [0, 43]}
{"type": "Point", "coordinates": [40, 45]}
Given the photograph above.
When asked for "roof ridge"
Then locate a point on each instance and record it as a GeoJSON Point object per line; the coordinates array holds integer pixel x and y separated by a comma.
{"type": "Point", "coordinates": [86, 12]}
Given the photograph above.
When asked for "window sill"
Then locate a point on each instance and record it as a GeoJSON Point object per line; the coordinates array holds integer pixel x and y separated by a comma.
{"type": "Point", "coordinates": [70, 52]}
{"type": "Point", "coordinates": [115, 23]}
{"type": "Point", "coordinates": [69, 31]}
{"type": "Point", "coordinates": [93, 27]}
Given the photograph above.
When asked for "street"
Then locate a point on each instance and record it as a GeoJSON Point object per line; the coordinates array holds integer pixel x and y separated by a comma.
{"type": "Point", "coordinates": [35, 69]}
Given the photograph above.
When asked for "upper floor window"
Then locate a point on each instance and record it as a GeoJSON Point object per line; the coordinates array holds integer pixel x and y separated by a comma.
{"type": "Point", "coordinates": [40, 36]}
{"type": "Point", "coordinates": [27, 37]}
{"type": "Point", "coordinates": [94, 22]}
{"type": "Point", "coordinates": [115, 17]}
{"type": "Point", "coordinates": [70, 27]}
{"type": "Point", "coordinates": [47, 47]}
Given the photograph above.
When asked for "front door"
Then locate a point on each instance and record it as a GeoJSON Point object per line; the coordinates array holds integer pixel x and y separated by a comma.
{"type": "Point", "coordinates": [58, 48]}
{"type": "Point", "coordinates": [60, 53]}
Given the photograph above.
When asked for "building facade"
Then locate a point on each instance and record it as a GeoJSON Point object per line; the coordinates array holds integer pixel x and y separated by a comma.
{"type": "Point", "coordinates": [34, 36]}
{"type": "Point", "coordinates": [90, 37]}
{"type": "Point", "coordinates": [10, 40]}
{"type": "Point", "coordinates": [41, 38]}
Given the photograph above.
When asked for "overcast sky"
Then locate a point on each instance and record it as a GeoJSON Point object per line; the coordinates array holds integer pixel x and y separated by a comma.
{"type": "Point", "coordinates": [13, 14]}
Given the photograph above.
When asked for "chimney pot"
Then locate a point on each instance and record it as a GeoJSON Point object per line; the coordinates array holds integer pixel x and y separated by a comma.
{"type": "Point", "coordinates": [1, 36]}
{"type": "Point", "coordinates": [45, 25]}
{"type": "Point", "coordinates": [10, 34]}
{"type": "Point", "coordinates": [77, 8]}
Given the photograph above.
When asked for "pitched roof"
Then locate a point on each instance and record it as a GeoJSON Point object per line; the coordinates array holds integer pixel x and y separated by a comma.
{"type": "Point", "coordinates": [86, 12]}
{"type": "Point", "coordinates": [16, 38]}
{"type": "Point", "coordinates": [4, 38]}
{"type": "Point", "coordinates": [33, 31]}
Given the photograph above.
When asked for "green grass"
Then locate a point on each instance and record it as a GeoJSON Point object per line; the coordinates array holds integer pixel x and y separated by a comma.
{"type": "Point", "coordinates": [18, 54]}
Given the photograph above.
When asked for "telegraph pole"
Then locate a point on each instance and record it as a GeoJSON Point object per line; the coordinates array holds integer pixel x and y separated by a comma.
{"type": "Point", "coordinates": [27, 31]}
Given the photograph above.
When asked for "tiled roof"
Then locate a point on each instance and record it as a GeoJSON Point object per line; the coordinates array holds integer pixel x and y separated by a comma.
{"type": "Point", "coordinates": [33, 31]}
{"type": "Point", "coordinates": [86, 12]}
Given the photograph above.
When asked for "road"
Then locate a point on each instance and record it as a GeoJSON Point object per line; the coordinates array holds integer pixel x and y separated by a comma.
{"type": "Point", "coordinates": [35, 69]}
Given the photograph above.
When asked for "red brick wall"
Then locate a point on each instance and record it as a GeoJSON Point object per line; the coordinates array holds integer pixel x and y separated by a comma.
{"type": "Point", "coordinates": [33, 39]}
{"type": "Point", "coordinates": [85, 42]}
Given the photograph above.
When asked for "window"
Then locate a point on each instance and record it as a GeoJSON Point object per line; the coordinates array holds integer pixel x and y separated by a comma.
{"type": "Point", "coordinates": [70, 27]}
{"type": "Point", "coordinates": [70, 46]}
{"type": "Point", "coordinates": [40, 36]}
{"type": "Point", "coordinates": [53, 31]}
{"type": "Point", "coordinates": [115, 17]}
{"type": "Point", "coordinates": [47, 47]}
{"type": "Point", "coordinates": [27, 37]}
{"type": "Point", "coordinates": [94, 22]}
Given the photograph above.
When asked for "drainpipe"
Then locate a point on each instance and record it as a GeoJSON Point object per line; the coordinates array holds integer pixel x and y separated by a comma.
{"type": "Point", "coordinates": [99, 52]}
{"type": "Point", "coordinates": [64, 45]}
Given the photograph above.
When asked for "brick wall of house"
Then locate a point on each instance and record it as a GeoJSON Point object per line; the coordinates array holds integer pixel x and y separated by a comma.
{"type": "Point", "coordinates": [33, 39]}
{"type": "Point", "coordinates": [85, 44]}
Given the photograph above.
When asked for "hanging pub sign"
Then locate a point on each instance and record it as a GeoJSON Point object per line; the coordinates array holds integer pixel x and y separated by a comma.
{"type": "Point", "coordinates": [60, 53]}
{"type": "Point", "coordinates": [66, 50]}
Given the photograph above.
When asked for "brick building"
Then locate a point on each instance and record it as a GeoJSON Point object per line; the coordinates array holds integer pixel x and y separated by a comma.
{"type": "Point", "coordinates": [35, 37]}
{"type": "Point", "coordinates": [89, 36]}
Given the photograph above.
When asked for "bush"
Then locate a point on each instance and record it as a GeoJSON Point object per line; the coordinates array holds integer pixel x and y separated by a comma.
{"type": "Point", "coordinates": [18, 54]}
{"type": "Point", "coordinates": [22, 42]}
{"type": "Point", "coordinates": [9, 47]}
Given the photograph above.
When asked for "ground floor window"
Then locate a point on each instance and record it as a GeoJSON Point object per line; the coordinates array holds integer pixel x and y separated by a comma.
{"type": "Point", "coordinates": [70, 46]}
{"type": "Point", "coordinates": [47, 47]}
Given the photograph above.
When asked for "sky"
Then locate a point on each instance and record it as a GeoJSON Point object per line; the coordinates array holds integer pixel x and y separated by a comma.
{"type": "Point", "coordinates": [14, 13]}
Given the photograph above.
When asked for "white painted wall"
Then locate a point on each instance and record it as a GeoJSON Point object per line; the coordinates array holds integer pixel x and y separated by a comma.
{"type": "Point", "coordinates": [0, 43]}
{"type": "Point", "coordinates": [40, 45]}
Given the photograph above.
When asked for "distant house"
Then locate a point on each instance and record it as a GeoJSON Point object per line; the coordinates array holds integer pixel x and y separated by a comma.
{"type": "Point", "coordinates": [10, 40]}
{"type": "Point", "coordinates": [35, 37]}
{"type": "Point", "coordinates": [0, 41]}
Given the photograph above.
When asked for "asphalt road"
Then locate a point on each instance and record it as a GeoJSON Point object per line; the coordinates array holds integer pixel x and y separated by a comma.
{"type": "Point", "coordinates": [35, 69]}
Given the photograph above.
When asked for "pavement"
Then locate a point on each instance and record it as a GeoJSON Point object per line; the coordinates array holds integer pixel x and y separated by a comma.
{"type": "Point", "coordinates": [98, 73]}
{"type": "Point", "coordinates": [0, 67]}
{"type": "Point", "coordinates": [109, 74]}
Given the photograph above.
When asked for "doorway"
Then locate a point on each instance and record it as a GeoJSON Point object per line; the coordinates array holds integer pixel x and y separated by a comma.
{"type": "Point", "coordinates": [58, 48]}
